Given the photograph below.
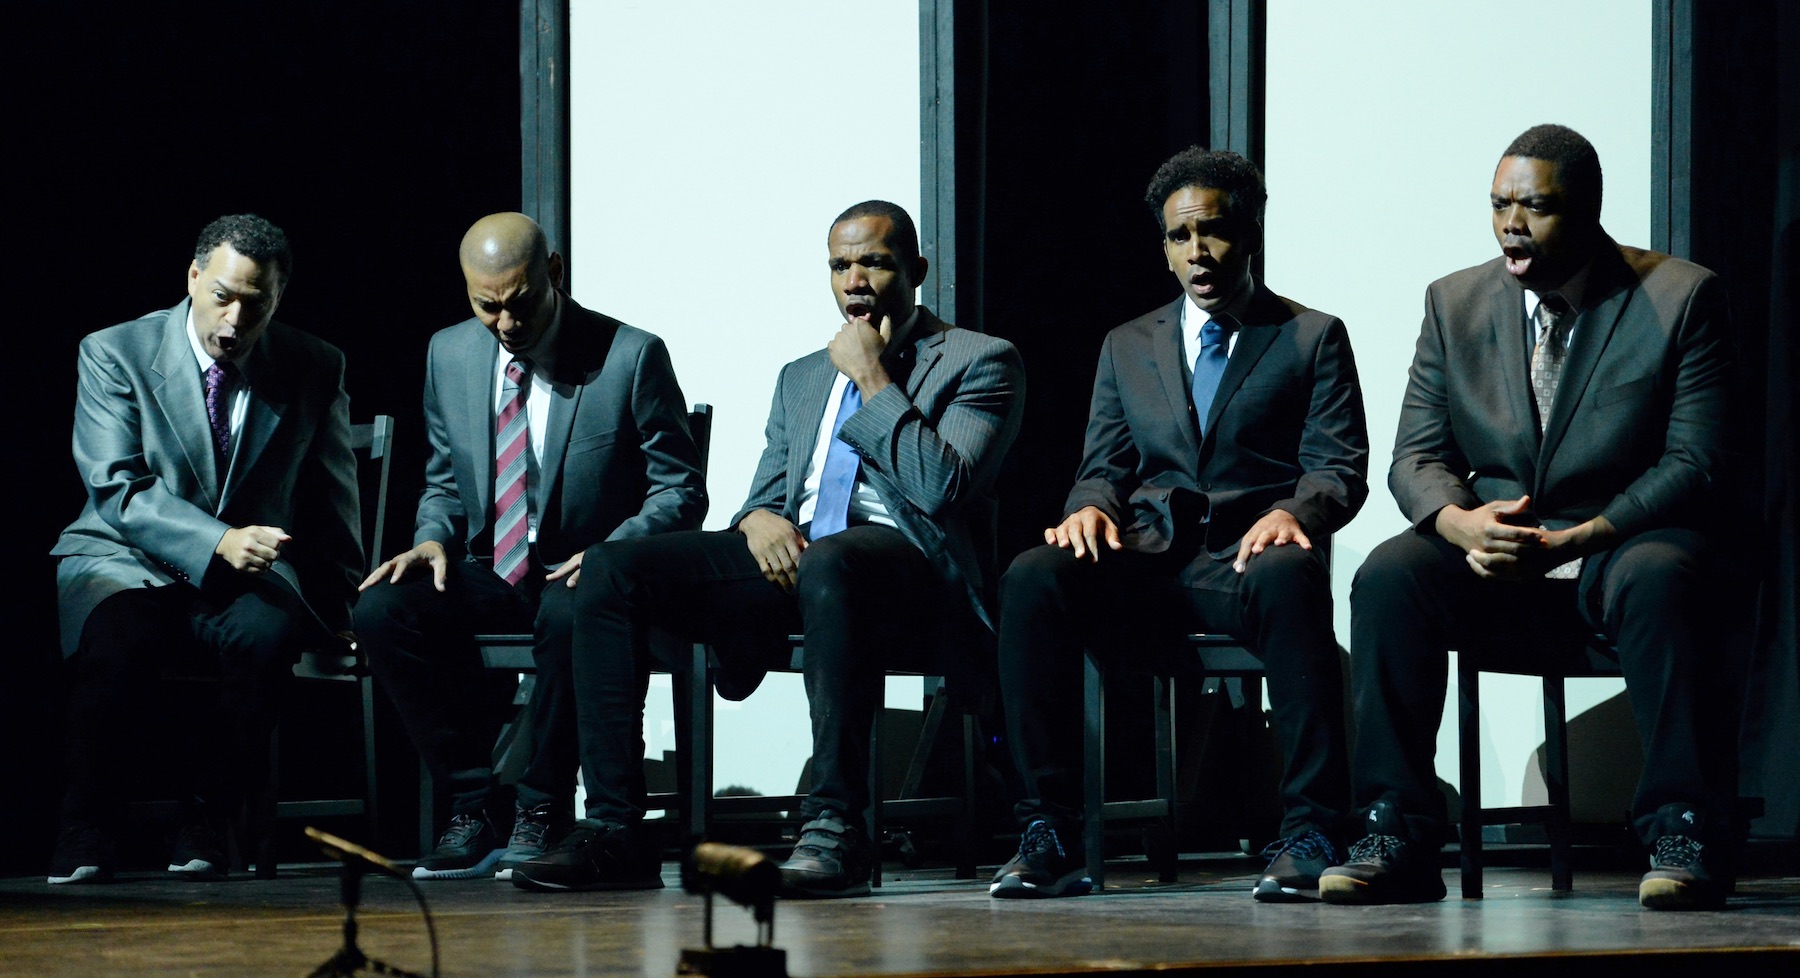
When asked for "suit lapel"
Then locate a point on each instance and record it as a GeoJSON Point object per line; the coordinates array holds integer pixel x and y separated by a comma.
{"type": "Point", "coordinates": [1594, 325]}
{"type": "Point", "coordinates": [816, 375]}
{"type": "Point", "coordinates": [269, 399]}
{"type": "Point", "coordinates": [479, 355]}
{"type": "Point", "coordinates": [1508, 335]}
{"type": "Point", "coordinates": [1170, 366]}
{"type": "Point", "coordinates": [181, 401]}
{"type": "Point", "coordinates": [1252, 342]}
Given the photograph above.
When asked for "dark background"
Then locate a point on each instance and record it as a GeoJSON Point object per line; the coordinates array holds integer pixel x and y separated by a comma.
{"type": "Point", "coordinates": [375, 133]}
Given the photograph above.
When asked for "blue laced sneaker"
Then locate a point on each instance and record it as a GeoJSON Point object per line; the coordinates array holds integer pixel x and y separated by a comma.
{"type": "Point", "coordinates": [1042, 868]}
{"type": "Point", "coordinates": [1294, 867]}
{"type": "Point", "coordinates": [468, 849]}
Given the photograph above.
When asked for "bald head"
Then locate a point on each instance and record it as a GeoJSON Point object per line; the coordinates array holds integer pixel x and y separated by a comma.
{"type": "Point", "coordinates": [502, 242]}
{"type": "Point", "coordinates": [513, 277]}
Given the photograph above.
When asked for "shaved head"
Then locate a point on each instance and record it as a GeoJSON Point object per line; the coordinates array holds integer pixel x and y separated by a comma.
{"type": "Point", "coordinates": [513, 278]}
{"type": "Point", "coordinates": [502, 242]}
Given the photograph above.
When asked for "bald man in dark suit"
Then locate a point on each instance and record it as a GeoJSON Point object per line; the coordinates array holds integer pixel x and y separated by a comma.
{"type": "Point", "coordinates": [1559, 443]}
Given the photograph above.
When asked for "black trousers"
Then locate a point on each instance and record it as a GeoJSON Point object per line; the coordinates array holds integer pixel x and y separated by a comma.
{"type": "Point", "coordinates": [237, 629]}
{"type": "Point", "coordinates": [866, 599]}
{"type": "Point", "coordinates": [1131, 608]}
{"type": "Point", "coordinates": [419, 643]}
{"type": "Point", "coordinates": [1415, 598]}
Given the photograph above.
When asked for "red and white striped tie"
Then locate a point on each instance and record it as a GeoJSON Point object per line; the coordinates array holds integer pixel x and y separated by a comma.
{"type": "Point", "coordinates": [512, 442]}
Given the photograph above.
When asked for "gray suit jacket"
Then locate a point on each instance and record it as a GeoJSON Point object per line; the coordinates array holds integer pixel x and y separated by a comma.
{"type": "Point", "coordinates": [1636, 428]}
{"type": "Point", "coordinates": [931, 443]}
{"type": "Point", "coordinates": [157, 504]}
{"type": "Point", "coordinates": [618, 460]}
{"type": "Point", "coordinates": [1285, 431]}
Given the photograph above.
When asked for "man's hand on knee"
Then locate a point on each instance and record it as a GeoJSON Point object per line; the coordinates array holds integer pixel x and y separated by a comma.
{"type": "Point", "coordinates": [1277, 528]}
{"type": "Point", "coordinates": [1082, 531]}
{"type": "Point", "coordinates": [776, 544]}
{"type": "Point", "coordinates": [429, 554]}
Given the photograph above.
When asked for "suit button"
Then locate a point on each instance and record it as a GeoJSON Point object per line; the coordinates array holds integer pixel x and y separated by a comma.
{"type": "Point", "coordinates": [1206, 486]}
{"type": "Point", "coordinates": [1164, 497]}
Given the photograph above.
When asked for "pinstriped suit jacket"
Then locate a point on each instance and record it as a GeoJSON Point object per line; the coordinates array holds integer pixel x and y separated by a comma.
{"type": "Point", "coordinates": [931, 443]}
{"type": "Point", "coordinates": [157, 504]}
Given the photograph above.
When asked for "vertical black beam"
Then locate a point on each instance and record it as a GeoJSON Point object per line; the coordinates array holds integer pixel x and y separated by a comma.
{"type": "Point", "coordinates": [937, 159]}
{"type": "Point", "coordinates": [1237, 31]}
{"type": "Point", "coordinates": [544, 118]}
{"type": "Point", "coordinates": [1671, 126]}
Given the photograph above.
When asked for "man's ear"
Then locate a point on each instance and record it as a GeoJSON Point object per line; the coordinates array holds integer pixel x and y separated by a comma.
{"type": "Point", "coordinates": [556, 270]}
{"type": "Point", "coordinates": [920, 267]}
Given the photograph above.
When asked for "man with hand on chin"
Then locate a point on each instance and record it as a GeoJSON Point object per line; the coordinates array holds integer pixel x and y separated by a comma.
{"type": "Point", "coordinates": [220, 534]}
{"type": "Point", "coordinates": [1225, 437]}
{"type": "Point", "coordinates": [1560, 435]}
{"type": "Point", "coordinates": [552, 428]}
{"type": "Point", "coordinates": [868, 528]}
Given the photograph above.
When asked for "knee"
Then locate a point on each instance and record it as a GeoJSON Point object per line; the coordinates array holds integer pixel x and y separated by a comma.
{"type": "Point", "coordinates": [1286, 574]}
{"type": "Point", "coordinates": [1396, 568]}
{"type": "Point", "coordinates": [1654, 577]}
{"type": "Point", "coordinates": [827, 572]}
{"type": "Point", "coordinates": [1034, 572]}
{"type": "Point", "coordinates": [609, 574]}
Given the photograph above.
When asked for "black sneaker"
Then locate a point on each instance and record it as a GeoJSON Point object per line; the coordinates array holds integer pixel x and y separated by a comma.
{"type": "Point", "coordinates": [1679, 877]}
{"type": "Point", "coordinates": [1294, 867]}
{"type": "Point", "coordinates": [200, 853]}
{"type": "Point", "coordinates": [534, 831]}
{"type": "Point", "coordinates": [1385, 866]}
{"type": "Point", "coordinates": [1042, 868]}
{"type": "Point", "coordinates": [83, 855]}
{"type": "Point", "coordinates": [593, 856]}
{"type": "Point", "coordinates": [832, 859]}
{"type": "Point", "coordinates": [468, 849]}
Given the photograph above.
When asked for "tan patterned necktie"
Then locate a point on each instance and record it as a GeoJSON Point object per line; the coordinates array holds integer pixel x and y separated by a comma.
{"type": "Point", "coordinates": [1546, 372]}
{"type": "Point", "coordinates": [1547, 358]}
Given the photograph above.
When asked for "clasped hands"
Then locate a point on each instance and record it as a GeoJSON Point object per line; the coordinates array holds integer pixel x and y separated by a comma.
{"type": "Point", "coordinates": [1083, 531]}
{"type": "Point", "coordinates": [1499, 550]}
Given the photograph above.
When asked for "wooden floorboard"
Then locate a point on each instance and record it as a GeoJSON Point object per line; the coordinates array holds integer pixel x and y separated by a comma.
{"type": "Point", "coordinates": [920, 923]}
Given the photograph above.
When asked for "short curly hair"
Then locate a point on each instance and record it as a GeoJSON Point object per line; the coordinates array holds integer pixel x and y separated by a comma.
{"type": "Point", "coordinates": [248, 235]}
{"type": "Point", "coordinates": [1227, 172]}
{"type": "Point", "coordinates": [1577, 164]}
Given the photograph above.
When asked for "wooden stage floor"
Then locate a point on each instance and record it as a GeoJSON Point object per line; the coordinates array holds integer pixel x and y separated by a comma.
{"type": "Point", "coordinates": [920, 923]}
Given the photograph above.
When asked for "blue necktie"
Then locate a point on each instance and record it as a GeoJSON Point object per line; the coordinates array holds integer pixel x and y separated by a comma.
{"type": "Point", "coordinates": [837, 480]}
{"type": "Point", "coordinates": [1209, 366]}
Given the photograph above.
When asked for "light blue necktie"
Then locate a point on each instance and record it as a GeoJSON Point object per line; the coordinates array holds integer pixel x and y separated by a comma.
{"type": "Point", "coordinates": [1209, 366]}
{"type": "Point", "coordinates": [837, 480]}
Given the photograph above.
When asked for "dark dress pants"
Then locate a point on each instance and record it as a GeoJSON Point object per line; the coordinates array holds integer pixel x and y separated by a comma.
{"type": "Point", "coordinates": [1131, 608]}
{"type": "Point", "coordinates": [420, 646]}
{"type": "Point", "coordinates": [240, 630]}
{"type": "Point", "coordinates": [866, 600]}
{"type": "Point", "coordinates": [1415, 598]}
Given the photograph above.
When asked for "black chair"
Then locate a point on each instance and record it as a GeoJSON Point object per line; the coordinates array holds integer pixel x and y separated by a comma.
{"type": "Point", "coordinates": [706, 809]}
{"type": "Point", "coordinates": [1216, 659]}
{"type": "Point", "coordinates": [1596, 659]}
{"type": "Point", "coordinates": [373, 446]}
{"type": "Point", "coordinates": [511, 652]}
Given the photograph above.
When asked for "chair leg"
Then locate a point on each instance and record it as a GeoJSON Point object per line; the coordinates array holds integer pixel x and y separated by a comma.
{"type": "Point", "coordinates": [427, 810]}
{"type": "Point", "coordinates": [969, 824]}
{"type": "Point", "coordinates": [1556, 783]}
{"type": "Point", "coordinates": [700, 743]}
{"type": "Point", "coordinates": [1468, 740]}
{"type": "Point", "coordinates": [1165, 856]}
{"type": "Point", "coordinates": [1093, 720]}
{"type": "Point", "coordinates": [260, 815]}
{"type": "Point", "coordinates": [371, 810]}
{"type": "Point", "coordinates": [876, 790]}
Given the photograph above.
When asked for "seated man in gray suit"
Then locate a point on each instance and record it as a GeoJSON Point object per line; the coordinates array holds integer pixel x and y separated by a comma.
{"type": "Point", "coordinates": [552, 428]}
{"type": "Point", "coordinates": [221, 530]}
{"type": "Point", "coordinates": [867, 528]}
{"type": "Point", "coordinates": [1226, 436]}
{"type": "Point", "coordinates": [1559, 445]}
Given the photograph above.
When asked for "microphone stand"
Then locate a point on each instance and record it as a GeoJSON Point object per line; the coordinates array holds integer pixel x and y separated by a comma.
{"type": "Point", "coordinates": [350, 960]}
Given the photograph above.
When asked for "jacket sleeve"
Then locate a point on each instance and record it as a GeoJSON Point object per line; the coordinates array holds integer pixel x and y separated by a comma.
{"type": "Point", "coordinates": [1428, 468]}
{"type": "Point", "coordinates": [442, 515]}
{"type": "Point", "coordinates": [1334, 444]}
{"type": "Point", "coordinates": [1109, 461]}
{"type": "Point", "coordinates": [126, 492]}
{"type": "Point", "coordinates": [940, 463]}
{"type": "Point", "coordinates": [675, 494]}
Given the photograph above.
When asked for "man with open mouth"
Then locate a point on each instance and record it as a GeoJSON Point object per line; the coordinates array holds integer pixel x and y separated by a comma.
{"type": "Point", "coordinates": [1558, 450]}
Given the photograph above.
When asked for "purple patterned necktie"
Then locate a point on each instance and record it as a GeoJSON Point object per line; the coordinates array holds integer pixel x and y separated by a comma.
{"type": "Point", "coordinates": [218, 408]}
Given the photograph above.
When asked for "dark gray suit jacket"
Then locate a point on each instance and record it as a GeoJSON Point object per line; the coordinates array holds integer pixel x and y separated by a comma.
{"type": "Point", "coordinates": [931, 443]}
{"type": "Point", "coordinates": [1285, 431]}
{"type": "Point", "coordinates": [157, 504]}
{"type": "Point", "coordinates": [1636, 428]}
{"type": "Point", "coordinates": [618, 460]}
